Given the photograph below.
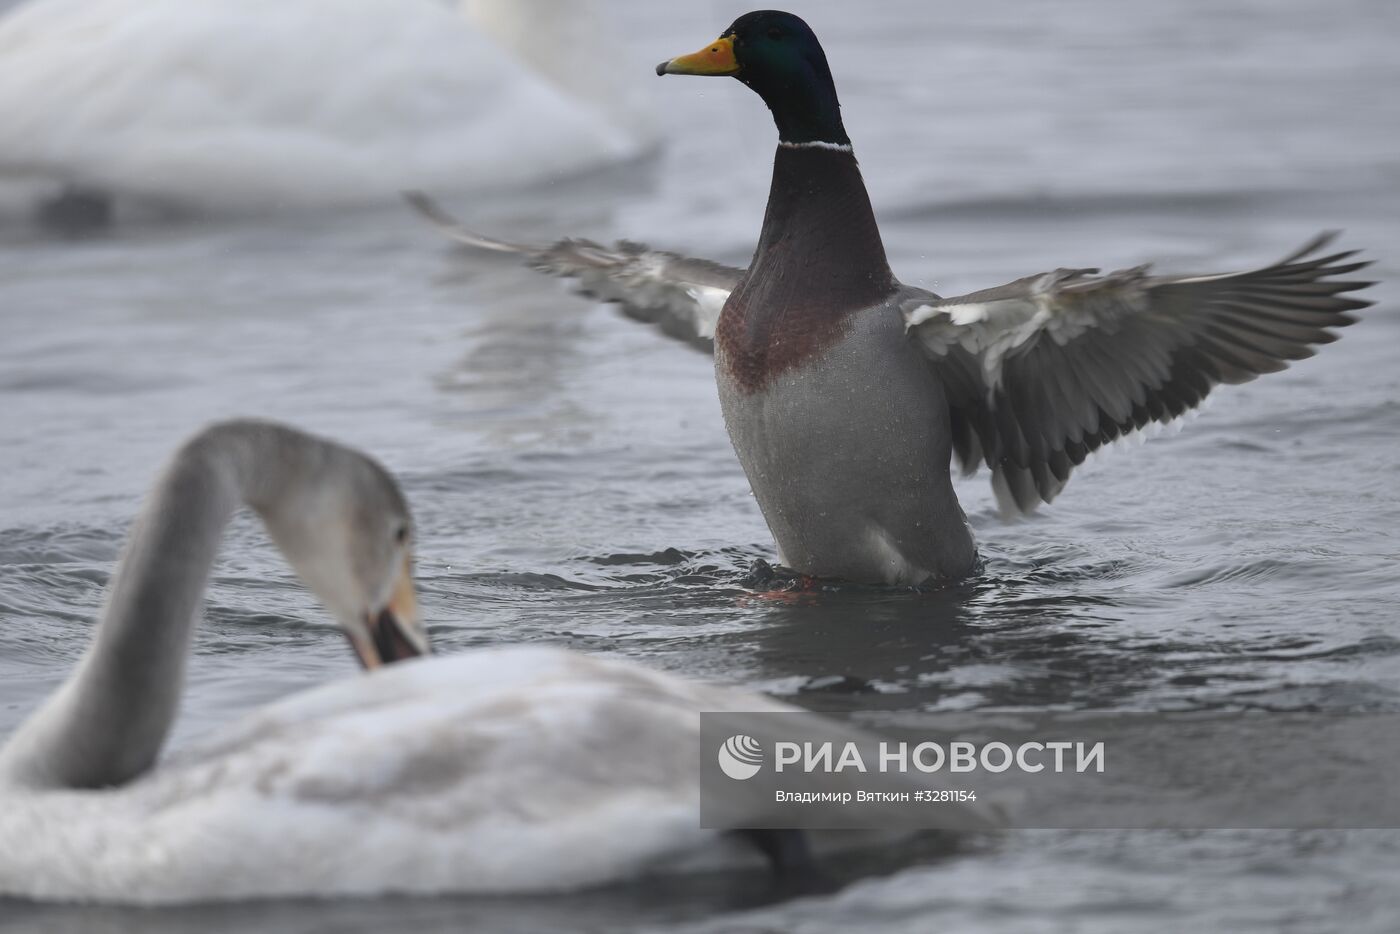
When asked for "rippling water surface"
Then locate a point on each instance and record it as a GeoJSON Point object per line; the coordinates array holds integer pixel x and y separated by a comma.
{"type": "Point", "coordinates": [574, 485]}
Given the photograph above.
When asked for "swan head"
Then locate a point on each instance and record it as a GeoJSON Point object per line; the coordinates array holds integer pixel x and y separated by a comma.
{"type": "Point", "coordinates": [345, 528]}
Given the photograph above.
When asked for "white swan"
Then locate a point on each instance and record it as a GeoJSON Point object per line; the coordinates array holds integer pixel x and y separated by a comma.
{"type": "Point", "coordinates": [238, 105]}
{"type": "Point", "coordinates": [499, 770]}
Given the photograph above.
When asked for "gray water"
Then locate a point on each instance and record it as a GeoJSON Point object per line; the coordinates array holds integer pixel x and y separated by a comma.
{"type": "Point", "coordinates": [573, 483]}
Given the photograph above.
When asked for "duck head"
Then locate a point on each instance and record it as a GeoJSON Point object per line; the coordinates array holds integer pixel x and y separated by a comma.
{"type": "Point", "coordinates": [778, 56]}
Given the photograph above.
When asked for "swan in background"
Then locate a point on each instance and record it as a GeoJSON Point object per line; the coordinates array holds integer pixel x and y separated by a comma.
{"type": "Point", "coordinates": [498, 770]}
{"type": "Point", "coordinates": [248, 105]}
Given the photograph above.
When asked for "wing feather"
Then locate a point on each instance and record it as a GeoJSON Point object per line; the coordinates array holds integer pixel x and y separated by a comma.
{"type": "Point", "coordinates": [682, 296]}
{"type": "Point", "coordinates": [1044, 370]}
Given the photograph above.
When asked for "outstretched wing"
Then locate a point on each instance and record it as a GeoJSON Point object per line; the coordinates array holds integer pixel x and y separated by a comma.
{"type": "Point", "coordinates": [680, 295]}
{"type": "Point", "coordinates": [1043, 370]}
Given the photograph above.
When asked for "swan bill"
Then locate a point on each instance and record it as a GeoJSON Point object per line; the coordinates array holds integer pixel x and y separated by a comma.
{"type": "Point", "coordinates": [392, 641]}
{"type": "Point", "coordinates": [394, 633]}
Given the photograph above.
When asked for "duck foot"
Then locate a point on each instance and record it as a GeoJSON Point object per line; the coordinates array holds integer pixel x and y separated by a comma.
{"type": "Point", "coordinates": [795, 870]}
{"type": "Point", "coordinates": [770, 577]}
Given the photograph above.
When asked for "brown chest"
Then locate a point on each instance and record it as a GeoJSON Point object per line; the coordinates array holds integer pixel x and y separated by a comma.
{"type": "Point", "coordinates": [819, 261]}
{"type": "Point", "coordinates": [766, 331]}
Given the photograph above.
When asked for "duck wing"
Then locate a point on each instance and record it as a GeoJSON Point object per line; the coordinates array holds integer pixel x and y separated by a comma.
{"type": "Point", "coordinates": [680, 295]}
{"type": "Point", "coordinates": [1041, 371]}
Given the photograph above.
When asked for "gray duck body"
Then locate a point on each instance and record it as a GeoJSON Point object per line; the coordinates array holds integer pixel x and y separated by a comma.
{"type": "Point", "coordinates": [848, 454]}
{"type": "Point", "coordinates": [836, 416]}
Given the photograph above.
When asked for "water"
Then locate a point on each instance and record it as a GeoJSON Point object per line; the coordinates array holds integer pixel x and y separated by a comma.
{"type": "Point", "coordinates": [573, 483]}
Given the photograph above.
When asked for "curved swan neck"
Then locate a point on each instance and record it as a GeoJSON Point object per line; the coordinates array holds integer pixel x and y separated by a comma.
{"type": "Point", "coordinates": [108, 722]}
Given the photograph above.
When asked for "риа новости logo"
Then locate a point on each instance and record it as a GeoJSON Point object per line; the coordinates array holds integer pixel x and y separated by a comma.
{"type": "Point", "coordinates": [740, 757]}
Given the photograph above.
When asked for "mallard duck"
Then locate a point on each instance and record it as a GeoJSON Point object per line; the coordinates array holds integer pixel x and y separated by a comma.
{"type": "Point", "coordinates": [505, 769]}
{"type": "Point", "coordinates": [847, 393]}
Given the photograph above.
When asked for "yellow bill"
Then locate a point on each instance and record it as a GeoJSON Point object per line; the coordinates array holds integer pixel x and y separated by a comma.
{"type": "Point", "coordinates": [717, 58]}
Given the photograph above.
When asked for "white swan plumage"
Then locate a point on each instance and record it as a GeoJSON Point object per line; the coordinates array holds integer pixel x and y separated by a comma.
{"type": "Point", "coordinates": [510, 769]}
{"type": "Point", "coordinates": [503, 770]}
{"type": "Point", "coordinates": [245, 105]}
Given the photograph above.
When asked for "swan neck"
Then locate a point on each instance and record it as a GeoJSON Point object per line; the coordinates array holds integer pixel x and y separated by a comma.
{"type": "Point", "coordinates": [107, 724]}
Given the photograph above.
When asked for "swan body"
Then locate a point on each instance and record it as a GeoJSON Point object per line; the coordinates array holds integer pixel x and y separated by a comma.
{"type": "Point", "coordinates": [501, 770]}
{"type": "Point", "coordinates": [245, 105]}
